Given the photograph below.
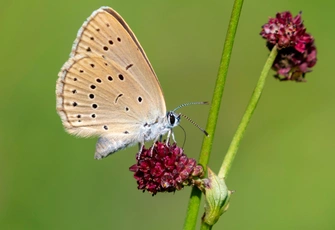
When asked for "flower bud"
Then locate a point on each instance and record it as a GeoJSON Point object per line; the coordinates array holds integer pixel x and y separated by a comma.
{"type": "Point", "coordinates": [217, 198]}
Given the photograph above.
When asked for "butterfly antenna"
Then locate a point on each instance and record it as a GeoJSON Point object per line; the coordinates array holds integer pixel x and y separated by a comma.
{"type": "Point", "coordinates": [192, 103]}
{"type": "Point", "coordinates": [184, 135]}
{"type": "Point", "coordinates": [195, 124]}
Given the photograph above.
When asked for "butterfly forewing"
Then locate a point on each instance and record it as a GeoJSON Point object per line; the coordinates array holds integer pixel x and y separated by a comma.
{"type": "Point", "coordinates": [106, 50]}
{"type": "Point", "coordinates": [107, 35]}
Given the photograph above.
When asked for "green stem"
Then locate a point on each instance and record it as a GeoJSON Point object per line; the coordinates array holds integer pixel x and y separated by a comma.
{"type": "Point", "coordinates": [194, 202]}
{"type": "Point", "coordinates": [205, 226]}
{"type": "Point", "coordinates": [232, 150]}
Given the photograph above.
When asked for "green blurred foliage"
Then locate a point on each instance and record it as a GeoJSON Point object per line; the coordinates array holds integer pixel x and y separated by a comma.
{"type": "Point", "coordinates": [284, 169]}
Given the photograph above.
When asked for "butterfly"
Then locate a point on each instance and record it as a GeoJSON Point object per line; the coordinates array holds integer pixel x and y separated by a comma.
{"type": "Point", "coordinates": [109, 89]}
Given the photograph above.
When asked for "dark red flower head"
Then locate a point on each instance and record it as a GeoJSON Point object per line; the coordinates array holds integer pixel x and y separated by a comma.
{"type": "Point", "coordinates": [165, 168]}
{"type": "Point", "coordinates": [296, 49]}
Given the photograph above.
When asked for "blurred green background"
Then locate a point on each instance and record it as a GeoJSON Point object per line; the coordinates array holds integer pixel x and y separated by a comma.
{"type": "Point", "coordinates": [283, 173]}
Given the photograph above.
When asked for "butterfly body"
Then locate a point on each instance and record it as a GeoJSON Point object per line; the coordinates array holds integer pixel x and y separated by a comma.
{"type": "Point", "coordinates": [147, 131]}
{"type": "Point", "coordinates": [109, 89]}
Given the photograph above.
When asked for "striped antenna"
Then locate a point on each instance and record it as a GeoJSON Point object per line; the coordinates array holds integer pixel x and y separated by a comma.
{"type": "Point", "coordinates": [192, 103]}
{"type": "Point", "coordinates": [195, 124]}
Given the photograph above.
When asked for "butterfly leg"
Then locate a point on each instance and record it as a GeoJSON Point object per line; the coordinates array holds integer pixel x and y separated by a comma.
{"type": "Point", "coordinates": [140, 147]}
{"type": "Point", "coordinates": [168, 137]}
{"type": "Point", "coordinates": [170, 134]}
{"type": "Point", "coordinates": [153, 145]}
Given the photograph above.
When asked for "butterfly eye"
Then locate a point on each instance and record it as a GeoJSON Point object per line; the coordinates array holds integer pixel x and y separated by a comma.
{"type": "Point", "coordinates": [171, 118]}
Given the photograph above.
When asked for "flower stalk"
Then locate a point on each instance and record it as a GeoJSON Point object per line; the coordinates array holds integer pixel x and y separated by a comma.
{"type": "Point", "coordinates": [195, 198]}
{"type": "Point", "coordinates": [232, 150]}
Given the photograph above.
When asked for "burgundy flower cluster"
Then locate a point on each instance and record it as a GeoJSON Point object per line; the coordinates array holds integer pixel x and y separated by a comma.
{"type": "Point", "coordinates": [165, 168]}
{"type": "Point", "coordinates": [296, 49]}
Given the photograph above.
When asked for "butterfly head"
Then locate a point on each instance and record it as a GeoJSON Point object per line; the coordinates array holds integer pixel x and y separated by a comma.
{"type": "Point", "coordinates": [173, 119]}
